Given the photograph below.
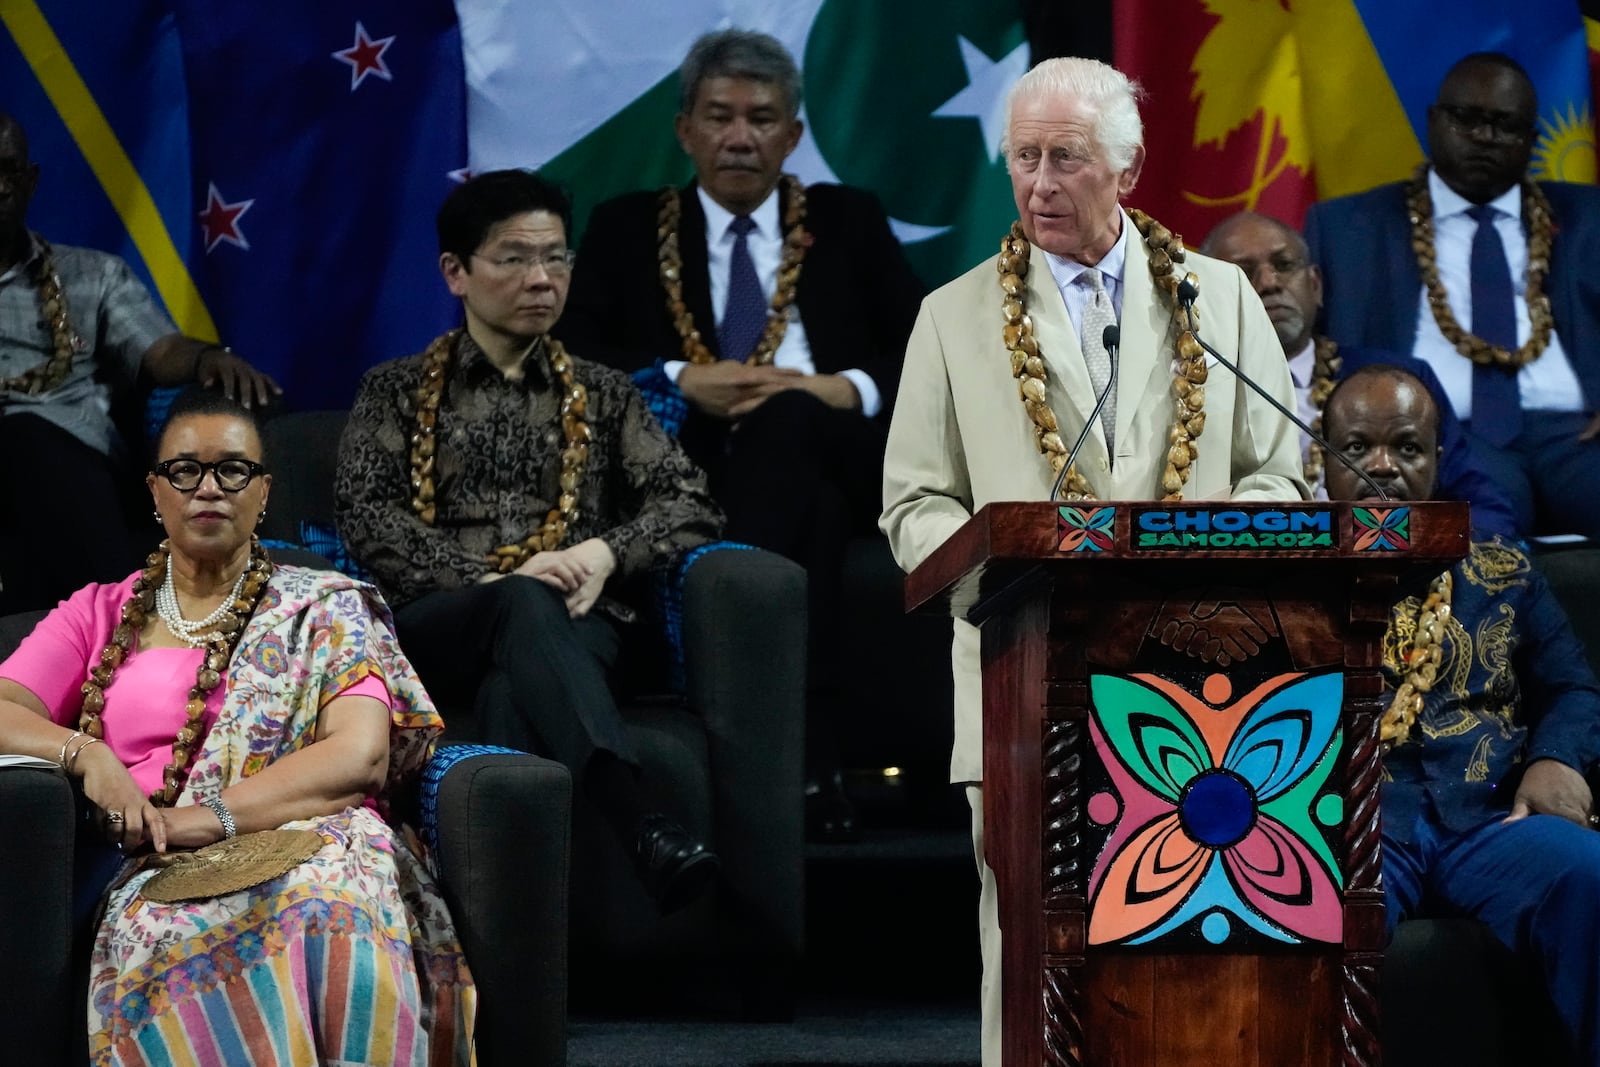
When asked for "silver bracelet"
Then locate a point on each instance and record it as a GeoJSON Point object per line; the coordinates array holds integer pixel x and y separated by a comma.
{"type": "Point", "coordinates": [223, 815]}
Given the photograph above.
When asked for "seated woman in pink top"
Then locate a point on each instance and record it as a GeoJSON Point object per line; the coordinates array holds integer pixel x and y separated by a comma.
{"type": "Point", "coordinates": [214, 694]}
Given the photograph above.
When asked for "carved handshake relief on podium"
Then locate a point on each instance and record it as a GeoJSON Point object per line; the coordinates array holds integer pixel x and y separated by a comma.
{"type": "Point", "coordinates": [1216, 631]}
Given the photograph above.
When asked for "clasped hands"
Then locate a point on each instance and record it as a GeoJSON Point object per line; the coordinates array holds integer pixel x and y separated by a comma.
{"type": "Point", "coordinates": [729, 389]}
{"type": "Point", "coordinates": [579, 573]}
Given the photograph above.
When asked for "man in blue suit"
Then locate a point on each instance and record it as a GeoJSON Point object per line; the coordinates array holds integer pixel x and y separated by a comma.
{"type": "Point", "coordinates": [1492, 286]}
{"type": "Point", "coordinates": [1274, 259]}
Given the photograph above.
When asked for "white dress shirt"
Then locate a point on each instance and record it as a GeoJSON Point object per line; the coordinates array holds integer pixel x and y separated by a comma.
{"type": "Point", "coordinates": [765, 242]}
{"type": "Point", "coordinates": [1066, 272]}
{"type": "Point", "coordinates": [1546, 384]}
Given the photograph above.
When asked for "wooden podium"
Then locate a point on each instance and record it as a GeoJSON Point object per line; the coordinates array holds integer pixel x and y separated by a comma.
{"type": "Point", "coordinates": [1181, 767]}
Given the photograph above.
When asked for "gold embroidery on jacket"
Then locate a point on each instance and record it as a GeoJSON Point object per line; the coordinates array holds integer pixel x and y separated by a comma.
{"type": "Point", "coordinates": [1478, 765]}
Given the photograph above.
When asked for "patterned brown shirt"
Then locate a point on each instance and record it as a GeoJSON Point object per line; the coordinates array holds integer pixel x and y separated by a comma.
{"type": "Point", "coordinates": [497, 473]}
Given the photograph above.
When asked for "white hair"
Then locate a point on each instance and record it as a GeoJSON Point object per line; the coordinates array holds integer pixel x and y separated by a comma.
{"type": "Point", "coordinates": [1110, 97]}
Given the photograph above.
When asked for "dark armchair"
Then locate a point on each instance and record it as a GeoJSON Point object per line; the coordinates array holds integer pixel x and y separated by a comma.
{"type": "Point", "coordinates": [507, 893]}
{"type": "Point", "coordinates": [717, 717]}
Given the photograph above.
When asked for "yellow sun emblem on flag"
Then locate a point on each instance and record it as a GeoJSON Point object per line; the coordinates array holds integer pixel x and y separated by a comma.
{"type": "Point", "coordinates": [1565, 149]}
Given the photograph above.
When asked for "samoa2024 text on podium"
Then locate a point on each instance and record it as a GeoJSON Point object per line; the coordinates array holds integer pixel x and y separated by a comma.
{"type": "Point", "coordinates": [1181, 763]}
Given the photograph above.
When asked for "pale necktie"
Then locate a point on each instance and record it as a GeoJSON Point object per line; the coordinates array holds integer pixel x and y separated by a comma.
{"type": "Point", "coordinates": [1097, 315]}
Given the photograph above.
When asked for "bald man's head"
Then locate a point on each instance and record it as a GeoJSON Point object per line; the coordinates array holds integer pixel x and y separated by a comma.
{"type": "Point", "coordinates": [1384, 420]}
{"type": "Point", "coordinates": [1278, 265]}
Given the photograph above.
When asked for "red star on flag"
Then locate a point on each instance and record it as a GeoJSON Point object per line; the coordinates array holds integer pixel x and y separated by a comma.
{"type": "Point", "coordinates": [366, 57]}
{"type": "Point", "coordinates": [220, 220]}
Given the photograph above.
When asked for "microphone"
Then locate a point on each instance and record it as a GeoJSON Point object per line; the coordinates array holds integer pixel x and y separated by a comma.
{"type": "Point", "coordinates": [1112, 339]}
{"type": "Point", "coordinates": [1188, 291]}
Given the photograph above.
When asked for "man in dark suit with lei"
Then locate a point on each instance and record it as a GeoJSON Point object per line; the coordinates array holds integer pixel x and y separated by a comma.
{"type": "Point", "coordinates": [780, 313]}
{"type": "Point", "coordinates": [1488, 278]}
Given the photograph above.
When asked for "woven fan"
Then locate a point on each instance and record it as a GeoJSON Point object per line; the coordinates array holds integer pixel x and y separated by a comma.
{"type": "Point", "coordinates": [231, 865]}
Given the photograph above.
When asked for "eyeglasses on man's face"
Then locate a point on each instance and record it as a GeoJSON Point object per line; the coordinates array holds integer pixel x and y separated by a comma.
{"type": "Point", "coordinates": [556, 262]}
{"type": "Point", "coordinates": [1501, 125]}
{"type": "Point", "coordinates": [1283, 264]}
{"type": "Point", "coordinates": [185, 475]}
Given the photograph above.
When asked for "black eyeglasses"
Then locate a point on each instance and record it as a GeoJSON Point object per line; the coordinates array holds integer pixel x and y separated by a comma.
{"type": "Point", "coordinates": [1502, 125]}
{"type": "Point", "coordinates": [185, 475]}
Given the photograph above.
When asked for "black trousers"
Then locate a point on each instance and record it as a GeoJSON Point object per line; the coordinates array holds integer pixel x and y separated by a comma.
{"type": "Point", "coordinates": [62, 521]}
{"type": "Point", "coordinates": [536, 678]}
{"type": "Point", "coordinates": [800, 478]}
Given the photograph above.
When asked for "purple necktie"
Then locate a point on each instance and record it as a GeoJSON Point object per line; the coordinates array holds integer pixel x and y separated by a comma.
{"type": "Point", "coordinates": [744, 316]}
{"type": "Point", "coordinates": [1496, 402]}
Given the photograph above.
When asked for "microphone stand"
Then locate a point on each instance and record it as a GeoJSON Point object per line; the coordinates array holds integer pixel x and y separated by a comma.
{"type": "Point", "coordinates": [1187, 292]}
{"type": "Point", "coordinates": [1112, 339]}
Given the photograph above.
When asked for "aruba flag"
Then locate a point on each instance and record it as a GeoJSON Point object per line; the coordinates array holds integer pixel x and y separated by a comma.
{"type": "Point", "coordinates": [1270, 105]}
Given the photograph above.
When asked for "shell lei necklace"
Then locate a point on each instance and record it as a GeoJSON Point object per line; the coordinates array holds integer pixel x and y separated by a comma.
{"type": "Point", "coordinates": [669, 217]}
{"type": "Point", "coordinates": [219, 645]}
{"type": "Point", "coordinates": [574, 453]}
{"type": "Point", "coordinates": [1326, 364]}
{"type": "Point", "coordinates": [1027, 366]}
{"type": "Point", "coordinates": [1541, 232]}
{"type": "Point", "coordinates": [1420, 662]}
{"type": "Point", "coordinates": [63, 339]}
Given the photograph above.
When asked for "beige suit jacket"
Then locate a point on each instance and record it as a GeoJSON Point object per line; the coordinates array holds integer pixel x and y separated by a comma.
{"type": "Point", "coordinates": [960, 438]}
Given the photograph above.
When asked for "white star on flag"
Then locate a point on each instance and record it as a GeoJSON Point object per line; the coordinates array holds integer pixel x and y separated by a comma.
{"type": "Point", "coordinates": [365, 57]}
{"type": "Point", "coordinates": [984, 98]}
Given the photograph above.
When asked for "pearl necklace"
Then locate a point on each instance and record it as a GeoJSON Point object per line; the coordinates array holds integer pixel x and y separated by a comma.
{"type": "Point", "coordinates": [194, 634]}
{"type": "Point", "coordinates": [135, 612]}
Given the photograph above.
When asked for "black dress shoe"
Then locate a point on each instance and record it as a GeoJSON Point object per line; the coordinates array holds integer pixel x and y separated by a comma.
{"type": "Point", "coordinates": [674, 867]}
{"type": "Point", "coordinates": [830, 817]}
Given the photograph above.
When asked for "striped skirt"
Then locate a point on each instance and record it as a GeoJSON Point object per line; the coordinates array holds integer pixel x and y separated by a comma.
{"type": "Point", "coordinates": [348, 958]}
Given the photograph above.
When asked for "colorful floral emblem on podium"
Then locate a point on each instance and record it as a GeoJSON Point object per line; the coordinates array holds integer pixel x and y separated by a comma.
{"type": "Point", "coordinates": [1215, 823]}
{"type": "Point", "coordinates": [1086, 529]}
{"type": "Point", "coordinates": [1382, 529]}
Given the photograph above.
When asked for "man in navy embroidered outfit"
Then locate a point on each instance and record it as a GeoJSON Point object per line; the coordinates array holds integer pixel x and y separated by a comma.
{"type": "Point", "coordinates": [1486, 811]}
